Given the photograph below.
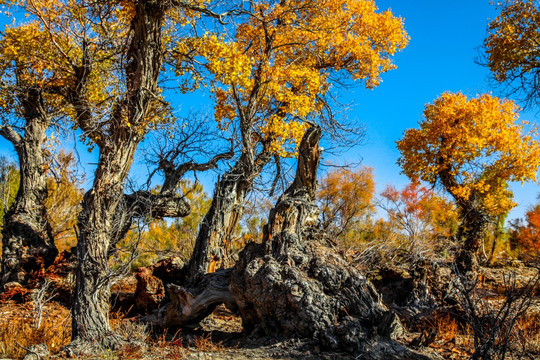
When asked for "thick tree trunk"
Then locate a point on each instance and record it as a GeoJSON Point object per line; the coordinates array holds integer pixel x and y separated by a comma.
{"type": "Point", "coordinates": [471, 232]}
{"type": "Point", "coordinates": [215, 233]}
{"type": "Point", "coordinates": [99, 221]}
{"type": "Point", "coordinates": [27, 241]}
{"type": "Point", "coordinates": [97, 228]}
{"type": "Point", "coordinates": [472, 227]}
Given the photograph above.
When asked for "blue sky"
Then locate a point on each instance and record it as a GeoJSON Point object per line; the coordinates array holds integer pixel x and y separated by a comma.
{"type": "Point", "coordinates": [445, 36]}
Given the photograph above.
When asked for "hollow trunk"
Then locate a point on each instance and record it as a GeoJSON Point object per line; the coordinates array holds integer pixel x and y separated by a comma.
{"type": "Point", "coordinates": [215, 233]}
{"type": "Point", "coordinates": [27, 241]}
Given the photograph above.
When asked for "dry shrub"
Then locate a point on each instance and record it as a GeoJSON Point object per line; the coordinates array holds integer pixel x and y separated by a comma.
{"type": "Point", "coordinates": [128, 329]}
{"type": "Point", "coordinates": [449, 329]}
{"type": "Point", "coordinates": [17, 331]}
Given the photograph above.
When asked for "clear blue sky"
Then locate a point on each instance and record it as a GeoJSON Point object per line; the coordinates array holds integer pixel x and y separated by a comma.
{"type": "Point", "coordinates": [445, 36]}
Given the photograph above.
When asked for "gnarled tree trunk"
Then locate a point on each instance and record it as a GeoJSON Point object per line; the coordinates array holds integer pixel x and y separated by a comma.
{"type": "Point", "coordinates": [293, 284]}
{"type": "Point", "coordinates": [473, 224]}
{"type": "Point", "coordinates": [90, 307]}
{"type": "Point", "coordinates": [216, 229]}
{"type": "Point", "coordinates": [99, 221]}
{"type": "Point", "coordinates": [27, 241]}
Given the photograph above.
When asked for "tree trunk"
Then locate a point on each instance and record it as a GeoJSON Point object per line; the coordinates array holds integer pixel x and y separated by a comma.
{"type": "Point", "coordinates": [471, 231]}
{"type": "Point", "coordinates": [215, 233]}
{"type": "Point", "coordinates": [97, 228]}
{"type": "Point", "coordinates": [473, 223]}
{"type": "Point", "coordinates": [118, 138]}
{"type": "Point", "coordinates": [27, 241]}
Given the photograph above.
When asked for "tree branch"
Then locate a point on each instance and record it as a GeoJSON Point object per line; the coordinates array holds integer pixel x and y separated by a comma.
{"type": "Point", "coordinates": [11, 135]}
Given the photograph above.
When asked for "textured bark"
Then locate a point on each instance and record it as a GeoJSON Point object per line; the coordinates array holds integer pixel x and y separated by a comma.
{"type": "Point", "coordinates": [90, 308]}
{"type": "Point", "coordinates": [214, 236]}
{"type": "Point", "coordinates": [98, 221]}
{"type": "Point", "coordinates": [293, 284]}
{"type": "Point", "coordinates": [27, 241]}
{"type": "Point", "coordinates": [473, 224]}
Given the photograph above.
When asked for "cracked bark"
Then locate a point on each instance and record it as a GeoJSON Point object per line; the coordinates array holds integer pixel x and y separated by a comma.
{"type": "Point", "coordinates": [27, 241]}
{"type": "Point", "coordinates": [295, 285]}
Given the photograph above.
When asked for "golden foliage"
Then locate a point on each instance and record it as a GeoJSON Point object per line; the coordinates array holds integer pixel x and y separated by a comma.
{"type": "Point", "coordinates": [283, 59]}
{"type": "Point", "coordinates": [513, 44]}
{"type": "Point", "coordinates": [474, 147]}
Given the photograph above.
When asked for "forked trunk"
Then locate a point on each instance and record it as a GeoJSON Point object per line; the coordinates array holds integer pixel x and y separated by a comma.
{"type": "Point", "coordinates": [27, 241]}
{"type": "Point", "coordinates": [118, 138]}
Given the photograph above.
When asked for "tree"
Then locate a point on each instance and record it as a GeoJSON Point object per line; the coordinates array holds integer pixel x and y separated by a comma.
{"type": "Point", "coordinates": [9, 180]}
{"type": "Point", "coordinates": [272, 78]}
{"type": "Point", "coordinates": [64, 196]}
{"type": "Point", "coordinates": [28, 107]}
{"type": "Point", "coordinates": [346, 200]}
{"type": "Point", "coordinates": [512, 48]}
{"type": "Point", "coordinates": [526, 236]}
{"type": "Point", "coordinates": [473, 148]}
{"type": "Point", "coordinates": [110, 57]}
{"type": "Point", "coordinates": [418, 216]}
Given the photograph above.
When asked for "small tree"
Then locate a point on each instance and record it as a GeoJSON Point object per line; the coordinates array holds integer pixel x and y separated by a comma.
{"type": "Point", "coordinates": [473, 148]}
{"type": "Point", "coordinates": [526, 237]}
{"type": "Point", "coordinates": [419, 216]}
{"type": "Point", "coordinates": [346, 200]}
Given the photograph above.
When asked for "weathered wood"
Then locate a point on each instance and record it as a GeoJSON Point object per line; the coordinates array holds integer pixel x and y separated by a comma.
{"type": "Point", "coordinates": [189, 307]}
{"type": "Point", "coordinates": [27, 240]}
{"type": "Point", "coordinates": [296, 285]}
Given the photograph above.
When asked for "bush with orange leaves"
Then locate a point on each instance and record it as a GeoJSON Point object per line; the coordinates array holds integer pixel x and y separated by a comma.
{"type": "Point", "coordinates": [525, 238]}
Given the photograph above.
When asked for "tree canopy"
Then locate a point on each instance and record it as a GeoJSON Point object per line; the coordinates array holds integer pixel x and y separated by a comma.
{"type": "Point", "coordinates": [473, 148]}
{"type": "Point", "coordinates": [513, 48]}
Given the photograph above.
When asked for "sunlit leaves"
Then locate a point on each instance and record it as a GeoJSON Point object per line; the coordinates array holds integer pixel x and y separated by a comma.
{"type": "Point", "coordinates": [284, 58]}
{"type": "Point", "coordinates": [513, 46]}
{"type": "Point", "coordinates": [473, 147]}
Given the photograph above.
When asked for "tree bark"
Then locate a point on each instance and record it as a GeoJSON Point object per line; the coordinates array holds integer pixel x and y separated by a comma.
{"type": "Point", "coordinates": [216, 230]}
{"type": "Point", "coordinates": [98, 221]}
{"type": "Point", "coordinates": [27, 240]}
{"type": "Point", "coordinates": [90, 307]}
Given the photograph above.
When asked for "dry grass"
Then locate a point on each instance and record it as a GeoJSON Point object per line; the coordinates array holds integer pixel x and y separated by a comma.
{"type": "Point", "coordinates": [528, 333]}
{"type": "Point", "coordinates": [205, 343]}
{"type": "Point", "coordinates": [17, 331]}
